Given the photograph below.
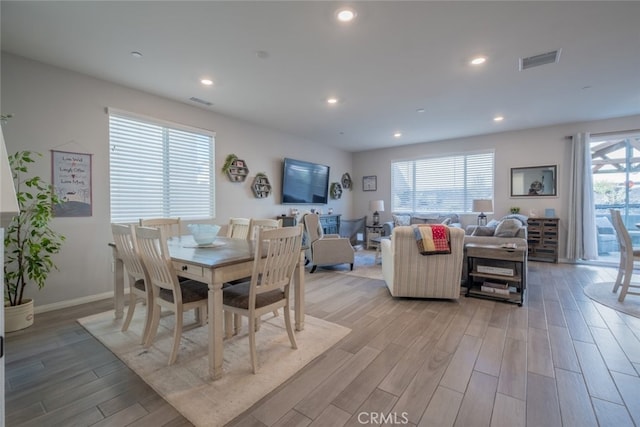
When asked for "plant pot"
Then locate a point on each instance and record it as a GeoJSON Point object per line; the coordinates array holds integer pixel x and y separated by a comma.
{"type": "Point", "coordinates": [18, 317]}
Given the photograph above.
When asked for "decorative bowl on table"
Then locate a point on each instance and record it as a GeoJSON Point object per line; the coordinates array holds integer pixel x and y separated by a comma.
{"type": "Point", "coordinates": [204, 234]}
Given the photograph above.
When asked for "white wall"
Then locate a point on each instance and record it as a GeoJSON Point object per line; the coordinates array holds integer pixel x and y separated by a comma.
{"type": "Point", "coordinates": [57, 109]}
{"type": "Point", "coordinates": [531, 147]}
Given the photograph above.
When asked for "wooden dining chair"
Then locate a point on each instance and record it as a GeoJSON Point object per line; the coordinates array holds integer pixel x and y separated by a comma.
{"type": "Point", "coordinates": [172, 226]}
{"type": "Point", "coordinates": [268, 288]}
{"type": "Point", "coordinates": [628, 255]}
{"type": "Point", "coordinates": [264, 224]}
{"type": "Point", "coordinates": [124, 237]}
{"type": "Point", "coordinates": [238, 228]}
{"type": "Point", "coordinates": [168, 292]}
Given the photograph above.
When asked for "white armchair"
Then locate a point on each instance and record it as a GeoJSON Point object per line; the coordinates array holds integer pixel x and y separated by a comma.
{"type": "Point", "coordinates": [325, 249]}
{"type": "Point", "coordinates": [410, 274]}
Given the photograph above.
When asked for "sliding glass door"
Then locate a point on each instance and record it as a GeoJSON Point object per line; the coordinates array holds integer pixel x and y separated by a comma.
{"type": "Point", "coordinates": [616, 185]}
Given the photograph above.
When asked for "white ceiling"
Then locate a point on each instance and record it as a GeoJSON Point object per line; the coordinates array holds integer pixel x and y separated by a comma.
{"type": "Point", "coordinates": [395, 58]}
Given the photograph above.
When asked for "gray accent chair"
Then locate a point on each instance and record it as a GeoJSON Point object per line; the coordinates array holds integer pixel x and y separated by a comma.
{"type": "Point", "coordinates": [325, 249]}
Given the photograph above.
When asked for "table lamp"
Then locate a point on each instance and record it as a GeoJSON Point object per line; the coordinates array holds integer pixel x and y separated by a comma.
{"type": "Point", "coordinates": [482, 206]}
{"type": "Point", "coordinates": [376, 206]}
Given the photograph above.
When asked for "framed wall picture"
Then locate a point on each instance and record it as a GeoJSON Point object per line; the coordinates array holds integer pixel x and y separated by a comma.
{"type": "Point", "coordinates": [71, 179]}
{"type": "Point", "coordinates": [370, 183]}
{"type": "Point", "coordinates": [534, 181]}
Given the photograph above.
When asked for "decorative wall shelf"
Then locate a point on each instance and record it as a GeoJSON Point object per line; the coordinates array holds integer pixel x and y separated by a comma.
{"type": "Point", "coordinates": [261, 186]}
{"type": "Point", "coordinates": [238, 171]}
{"type": "Point", "coordinates": [336, 190]}
{"type": "Point", "coordinates": [346, 181]}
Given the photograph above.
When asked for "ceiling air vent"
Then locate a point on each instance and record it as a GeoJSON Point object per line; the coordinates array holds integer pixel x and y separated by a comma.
{"type": "Point", "coordinates": [200, 101]}
{"type": "Point", "coordinates": [542, 59]}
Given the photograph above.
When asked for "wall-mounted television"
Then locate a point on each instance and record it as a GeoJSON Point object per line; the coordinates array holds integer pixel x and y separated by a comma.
{"type": "Point", "coordinates": [304, 183]}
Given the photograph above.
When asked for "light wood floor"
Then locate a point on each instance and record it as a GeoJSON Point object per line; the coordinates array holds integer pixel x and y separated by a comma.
{"type": "Point", "coordinates": [561, 359]}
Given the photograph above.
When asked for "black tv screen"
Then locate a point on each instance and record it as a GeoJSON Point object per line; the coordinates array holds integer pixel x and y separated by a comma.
{"type": "Point", "coordinates": [304, 183]}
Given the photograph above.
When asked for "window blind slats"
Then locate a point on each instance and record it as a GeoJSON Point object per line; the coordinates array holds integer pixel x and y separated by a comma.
{"type": "Point", "coordinates": [158, 171]}
{"type": "Point", "coordinates": [441, 184]}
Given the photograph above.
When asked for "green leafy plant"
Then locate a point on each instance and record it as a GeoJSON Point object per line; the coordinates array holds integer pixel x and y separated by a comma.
{"type": "Point", "coordinates": [29, 241]}
{"type": "Point", "coordinates": [228, 162]}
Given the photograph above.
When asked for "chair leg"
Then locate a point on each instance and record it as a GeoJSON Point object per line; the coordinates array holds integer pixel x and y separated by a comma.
{"type": "Point", "coordinates": [130, 310]}
{"type": "Point", "coordinates": [177, 334]}
{"type": "Point", "coordinates": [351, 266]}
{"type": "Point", "coordinates": [313, 269]}
{"type": "Point", "coordinates": [237, 323]}
{"type": "Point", "coordinates": [620, 276]}
{"type": "Point", "coordinates": [252, 344]}
{"type": "Point", "coordinates": [626, 281]}
{"type": "Point", "coordinates": [287, 322]}
{"type": "Point", "coordinates": [153, 327]}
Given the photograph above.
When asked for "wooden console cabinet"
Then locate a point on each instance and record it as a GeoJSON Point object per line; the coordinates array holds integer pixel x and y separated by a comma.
{"type": "Point", "coordinates": [542, 239]}
{"type": "Point", "coordinates": [330, 224]}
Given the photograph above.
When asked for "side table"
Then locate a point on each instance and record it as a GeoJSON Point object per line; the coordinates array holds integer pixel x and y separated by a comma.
{"type": "Point", "coordinates": [497, 272]}
{"type": "Point", "coordinates": [373, 231]}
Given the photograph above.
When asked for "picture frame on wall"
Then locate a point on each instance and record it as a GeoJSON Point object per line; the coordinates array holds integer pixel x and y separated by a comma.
{"type": "Point", "coordinates": [71, 177]}
{"type": "Point", "coordinates": [370, 183]}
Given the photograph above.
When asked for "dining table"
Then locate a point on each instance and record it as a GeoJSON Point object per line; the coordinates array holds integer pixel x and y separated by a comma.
{"type": "Point", "coordinates": [224, 260]}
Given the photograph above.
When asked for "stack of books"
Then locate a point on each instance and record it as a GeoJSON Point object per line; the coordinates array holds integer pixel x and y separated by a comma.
{"type": "Point", "coordinates": [495, 288]}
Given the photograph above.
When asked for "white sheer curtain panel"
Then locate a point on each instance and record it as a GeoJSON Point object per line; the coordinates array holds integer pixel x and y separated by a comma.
{"type": "Point", "coordinates": [581, 225]}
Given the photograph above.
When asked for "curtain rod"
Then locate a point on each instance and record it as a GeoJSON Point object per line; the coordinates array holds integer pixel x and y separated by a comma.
{"type": "Point", "coordinates": [609, 133]}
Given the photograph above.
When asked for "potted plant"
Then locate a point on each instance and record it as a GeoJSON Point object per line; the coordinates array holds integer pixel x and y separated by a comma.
{"type": "Point", "coordinates": [29, 241]}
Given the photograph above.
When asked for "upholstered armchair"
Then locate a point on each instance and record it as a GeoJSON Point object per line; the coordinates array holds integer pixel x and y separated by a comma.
{"type": "Point", "coordinates": [410, 274]}
{"type": "Point", "coordinates": [325, 249]}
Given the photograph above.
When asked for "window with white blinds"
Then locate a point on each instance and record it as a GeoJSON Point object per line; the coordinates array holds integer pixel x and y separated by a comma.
{"type": "Point", "coordinates": [159, 170]}
{"type": "Point", "coordinates": [441, 184]}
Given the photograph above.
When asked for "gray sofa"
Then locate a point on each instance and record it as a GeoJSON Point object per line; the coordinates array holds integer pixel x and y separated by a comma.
{"type": "Point", "coordinates": [451, 219]}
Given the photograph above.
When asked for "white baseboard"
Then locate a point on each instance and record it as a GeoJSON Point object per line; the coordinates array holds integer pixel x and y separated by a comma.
{"type": "Point", "coordinates": [70, 303]}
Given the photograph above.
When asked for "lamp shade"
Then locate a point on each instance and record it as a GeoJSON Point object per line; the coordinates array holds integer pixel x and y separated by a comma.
{"type": "Point", "coordinates": [376, 205]}
{"type": "Point", "coordinates": [482, 205]}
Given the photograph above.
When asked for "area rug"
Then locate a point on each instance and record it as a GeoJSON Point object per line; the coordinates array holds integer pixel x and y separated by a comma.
{"type": "Point", "coordinates": [601, 292]}
{"type": "Point", "coordinates": [186, 384]}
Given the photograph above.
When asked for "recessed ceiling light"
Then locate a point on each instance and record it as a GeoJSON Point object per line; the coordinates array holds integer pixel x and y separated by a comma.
{"type": "Point", "coordinates": [332, 100]}
{"type": "Point", "coordinates": [397, 134]}
{"type": "Point", "coordinates": [262, 54]}
{"type": "Point", "coordinates": [498, 118]}
{"type": "Point", "coordinates": [206, 82]}
{"type": "Point", "coordinates": [345, 15]}
{"type": "Point", "coordinates": [136, 54]}
{"type": "Point", "coordinates": [420, 110]}
{"type": "Point", "coordinates": [478, 60]}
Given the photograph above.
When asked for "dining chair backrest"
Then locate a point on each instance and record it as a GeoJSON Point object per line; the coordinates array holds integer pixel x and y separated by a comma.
{"type": "Point", "coordinates": [262, 224]}
{"type": "Point", "coordinates": [275, 268]}
{"type": "Point", "coordinates": [172, 226]}
{"type": "Point", "coordinates": [124, 237]}
{"type": "Point", "coordinates": [624, 238]}
{"type": "Point", "coordinates": [152, 244]}
{"type": "Point", "coordinates": [239, 228]}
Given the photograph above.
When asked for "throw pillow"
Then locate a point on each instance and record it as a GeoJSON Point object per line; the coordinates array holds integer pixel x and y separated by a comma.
{"type": "Point", "coordinates": [482, 230]}
{"type": "Point", "coordinates": [446, 221]}
{"type": "Point", "coordinates": [519, 217]}
{"type": "Point", "coordinates": [508, 228]}
{"type": "Point", "coordinates": [493, 223]}
{"type": "Point", "coordinates": [401, 220]}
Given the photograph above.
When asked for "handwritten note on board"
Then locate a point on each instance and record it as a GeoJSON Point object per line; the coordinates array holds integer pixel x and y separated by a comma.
{"type": "Point", "coordinates": [71, 176]}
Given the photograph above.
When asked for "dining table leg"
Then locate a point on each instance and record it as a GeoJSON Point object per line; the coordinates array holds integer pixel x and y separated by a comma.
{"type": "Point", "coordinates": [215, 314]}
{"type": "Point", "coordinates": [298, 285]}
{"type": "Point", "coordinates": [118, 284]}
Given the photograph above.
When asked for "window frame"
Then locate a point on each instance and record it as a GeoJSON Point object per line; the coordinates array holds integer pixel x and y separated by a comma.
{"type": "Point", "coordinates": [168, 138]}
{"type": "Point", "coordinates": [467, 193]}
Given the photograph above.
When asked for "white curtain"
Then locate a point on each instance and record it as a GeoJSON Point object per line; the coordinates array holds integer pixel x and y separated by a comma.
{"type": "Point", "coordinates": [581, 233]}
